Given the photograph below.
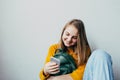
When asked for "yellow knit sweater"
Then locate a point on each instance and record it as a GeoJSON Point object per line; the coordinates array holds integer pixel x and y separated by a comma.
{"type": "Point", "coordinates": [76, 74]}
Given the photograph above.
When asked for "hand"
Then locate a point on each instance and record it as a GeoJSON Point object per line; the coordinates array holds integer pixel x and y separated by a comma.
{"type": "Point", "coordinates": [51, 68]}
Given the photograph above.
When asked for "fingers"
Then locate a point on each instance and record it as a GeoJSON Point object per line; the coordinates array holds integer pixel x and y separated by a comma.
{"type": "Point", "coordinates": [54, 71]}
{"type": "Point", "coordinates": [52, 64]}
{"type": "Point", "coordinates": [51, 68]}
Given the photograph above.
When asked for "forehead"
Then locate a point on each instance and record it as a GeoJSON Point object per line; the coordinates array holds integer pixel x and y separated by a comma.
{"type": "Point", "coordinates": [71, 30]}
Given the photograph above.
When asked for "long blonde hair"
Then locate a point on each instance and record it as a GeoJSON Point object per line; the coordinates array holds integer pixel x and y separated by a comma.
{"type": "Point", "coordinates": [82, 43]}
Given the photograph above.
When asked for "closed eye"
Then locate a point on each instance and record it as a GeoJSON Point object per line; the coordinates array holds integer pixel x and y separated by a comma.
{"type": "Point", "coordinates": [75, 37]}
{"type": "Point", "coordinates": [67, 34]}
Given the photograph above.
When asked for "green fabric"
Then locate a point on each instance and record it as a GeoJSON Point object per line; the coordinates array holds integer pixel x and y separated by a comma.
{"type": "Point", "coordinates": [67, 63]}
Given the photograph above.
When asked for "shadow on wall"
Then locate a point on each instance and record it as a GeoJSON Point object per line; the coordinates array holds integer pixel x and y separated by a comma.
{"type": "Point", "coordinates": [4, 73]}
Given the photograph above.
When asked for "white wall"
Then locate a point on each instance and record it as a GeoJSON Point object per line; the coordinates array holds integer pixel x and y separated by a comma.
{"type": "Point", "coordinates": [29, 27]}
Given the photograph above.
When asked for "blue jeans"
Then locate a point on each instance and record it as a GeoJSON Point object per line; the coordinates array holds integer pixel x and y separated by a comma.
{"type": "Point", "coordinates": [99, 66]}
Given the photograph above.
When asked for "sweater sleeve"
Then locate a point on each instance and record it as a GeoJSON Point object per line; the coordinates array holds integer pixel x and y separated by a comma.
{"type": "Point", "coordinates": [51, 52]}
{"type": "Point", "coordinates": [42, 76]}
{"type": "Point", "coordinates": [78, 73]}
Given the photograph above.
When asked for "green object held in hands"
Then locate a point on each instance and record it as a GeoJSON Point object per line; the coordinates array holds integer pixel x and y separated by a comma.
{"type": "Point", "coordinates": [67, 63]}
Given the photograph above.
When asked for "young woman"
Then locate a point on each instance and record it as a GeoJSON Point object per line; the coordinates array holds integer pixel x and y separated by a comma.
{"type": "Point", "coordinates": [74, 42]}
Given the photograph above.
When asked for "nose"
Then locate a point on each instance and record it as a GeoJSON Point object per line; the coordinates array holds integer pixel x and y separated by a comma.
{"type": "Point", "coordinates": [69, 38]}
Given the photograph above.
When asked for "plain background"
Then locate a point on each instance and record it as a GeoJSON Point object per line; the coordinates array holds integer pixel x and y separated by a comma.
{"type": "Point", "coordinates": [29, 27]}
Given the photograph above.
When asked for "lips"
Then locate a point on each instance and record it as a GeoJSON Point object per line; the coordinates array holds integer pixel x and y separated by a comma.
{"type": "Point", "coordinates": [67, 44]}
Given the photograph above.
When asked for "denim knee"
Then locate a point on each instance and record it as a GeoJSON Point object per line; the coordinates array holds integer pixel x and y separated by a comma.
{"type": "Point", "coordinates": [99, 66]}
{"type": "Point", "coordinates": [101, 54]}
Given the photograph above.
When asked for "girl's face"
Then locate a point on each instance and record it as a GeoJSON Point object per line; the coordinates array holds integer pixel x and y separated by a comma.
{"type": "Point", "coordinates": [69, 36]}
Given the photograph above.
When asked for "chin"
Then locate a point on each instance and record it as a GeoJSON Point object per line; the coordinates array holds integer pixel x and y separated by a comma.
{"type": "Point", "coordinates": [67, 45]}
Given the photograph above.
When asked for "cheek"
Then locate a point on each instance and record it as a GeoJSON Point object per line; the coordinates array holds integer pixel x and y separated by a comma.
{"type": "Point", "coordinates": [74, 41]}
{"type": "Point", "coordinates": [63, 37]}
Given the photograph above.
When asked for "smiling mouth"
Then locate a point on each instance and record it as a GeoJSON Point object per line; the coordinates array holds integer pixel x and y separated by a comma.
{"type": "Point", "coordinates": [67, 43]}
